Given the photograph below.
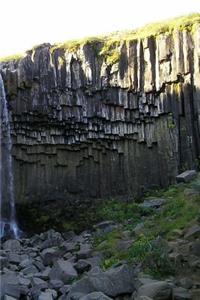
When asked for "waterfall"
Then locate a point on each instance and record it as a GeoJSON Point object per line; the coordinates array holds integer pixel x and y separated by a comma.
{"type": "Point", "coordinates": [8, 224]}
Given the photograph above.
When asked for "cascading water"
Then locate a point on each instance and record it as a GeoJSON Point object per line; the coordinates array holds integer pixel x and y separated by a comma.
{"type": "Point", "coordinates": [8, 224]}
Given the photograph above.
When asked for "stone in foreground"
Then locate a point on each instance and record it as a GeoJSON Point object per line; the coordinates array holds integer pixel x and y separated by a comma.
{"type": "Point", "coordinates": [159, 290]}
{"type": "Point", "coordinates": [63, 271]}
{"type": "Point", "coordinates": [112, 283]}
{"type": "Point", "coordinates": [95, 296]}
{"type": "Point", "coordinates": [186, 176]}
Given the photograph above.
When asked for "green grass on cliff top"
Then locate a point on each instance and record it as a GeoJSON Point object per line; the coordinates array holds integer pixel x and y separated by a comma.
{"type": "Point", "coordinates": [152, 29]}
{"type": "Point", "coordinates": [111, 41]}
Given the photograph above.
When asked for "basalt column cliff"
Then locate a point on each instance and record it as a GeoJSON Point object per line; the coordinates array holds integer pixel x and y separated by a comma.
{"type": "Point", "coordinates": [85, 124]}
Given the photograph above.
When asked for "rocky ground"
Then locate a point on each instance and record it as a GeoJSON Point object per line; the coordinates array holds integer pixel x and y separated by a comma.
{"type": "Point", "coordinates": [90, 265]}
{"type": "Point", "coordinates": [55, 266]}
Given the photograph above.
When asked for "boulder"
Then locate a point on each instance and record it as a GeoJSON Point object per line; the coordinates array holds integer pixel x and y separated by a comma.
{"type": "Point", "coordinates": [63, 270]}
{"type": "Point", "coordinates": [12, 246]}
{"type": "Point", "coordinates": [84, 252]}
{"type": "Point", "coordinates": [193, 233]}
{"type": "Point", "coordinates": [3, 262]}
{"type": "Point", "coordinates": [95, 296]}
{"type": "Point", "coordinates": [9, 285]}
{"type": "Point", "coordinates": [152, 203]}
{"type": "Point", "coordinates": [180, 293]}
{"type": "Point", "coordinates": [113, 282]}
{"type": "Point", "coordinates": [52, 238]}
{"type": "Point", "coordinates": [49, 255]}
{"type": "Point", "coordinates": [45, 296]}
{"type": "Point", "coordinates": [82, 265]}
{"type": "Point", "coordinates": [158, 290]}
{"type": "Point", "coordinates": [186, 176]}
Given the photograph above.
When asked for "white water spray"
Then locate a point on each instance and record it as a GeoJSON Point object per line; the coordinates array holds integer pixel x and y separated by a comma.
{"type": "Point", "coordinates": [8, 224]}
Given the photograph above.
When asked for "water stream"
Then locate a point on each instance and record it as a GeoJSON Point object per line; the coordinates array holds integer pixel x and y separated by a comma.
{"type": "Point", "coordinates": [8, 223]}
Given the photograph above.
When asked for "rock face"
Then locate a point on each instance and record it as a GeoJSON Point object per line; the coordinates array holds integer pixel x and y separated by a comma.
{"type": "Point", "coordinates": [86, 128]}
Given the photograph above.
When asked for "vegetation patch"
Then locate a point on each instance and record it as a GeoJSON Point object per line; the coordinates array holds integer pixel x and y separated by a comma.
{"type": "Point", "coordinates": [149, 248]}
{"type": "Point", "coordinates": [15, 57]}
{"type": "Point", "coordinates": [109, 44]}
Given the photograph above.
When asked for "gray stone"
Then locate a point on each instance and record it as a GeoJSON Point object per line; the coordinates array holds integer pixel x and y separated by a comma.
{"type": "Point", "coordinates": [152, 203]}
{"type": "Point", "coordinates": [69, 235]}
{"type": "Point", "coordinates": [3, 262]}
{"type": "Point", "coordinates": [25, 263]}
{"type": "Point", "coordinates": [84, 252]}
{"type": "Point", "coordinates": [31, 269]}
{"type": "Point", "coordinates": [65, 289]}
{"type": "Point", "coordinates": [49, 255]}
{"type": "Point", "coordinates": [69, 246]}
{"type": "Point", "coordinates": [14, 258]}
{"type": "Point", "coordinates": [52, 238]}
{"type": "Point", "coordinates": [56, 284]}
{"type": "Point", "coordinates": [95, 296]}
{"type": "Point", "coordinates": [63, 271]}
{"type": "Point", "coordinates": [180, 293]}
{"type": "Point", "coordinates": [186, 176]}
{"type": "Point", "coordinates": [103, 225]}
{"type": "Point", "coordinates": [6, 297]}
{"type": "Point", "coordinates": [159, 290]}
{"type": "Point", "coordinates": [12, 246]}
{"type": "Point", "coordinates": [138, 229]}
{"type": "Point", "coordinates": [143, 298]}
{"type": "Point", "coordinates": [113, 282]}
{"type": "Point", "coordinates": [193, 233]}
{"type": "Point", "coordinates": [45, 296]}
{"type": "Point", "coordinates": [9, 285]}
{"type": "Point", "coordinates": [39, 283]}
{"type": "Point", "coordinates": [24, 281]}
{"type": "Point", "coordinates": [82, 265]}
{"type": "Point", "coordinates": [195, 248]}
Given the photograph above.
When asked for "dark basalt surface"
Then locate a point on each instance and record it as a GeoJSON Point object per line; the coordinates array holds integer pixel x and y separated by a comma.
{"type": "Point", "coordinates": [83, 128]}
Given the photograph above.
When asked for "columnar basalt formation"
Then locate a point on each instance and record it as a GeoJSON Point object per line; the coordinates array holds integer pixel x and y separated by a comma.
{"type": "Point", "coordinates": [84, 127]}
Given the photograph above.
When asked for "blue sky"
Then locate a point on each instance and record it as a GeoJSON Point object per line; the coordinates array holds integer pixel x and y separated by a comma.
{"type": "Point", "coordinates": [25, 23]}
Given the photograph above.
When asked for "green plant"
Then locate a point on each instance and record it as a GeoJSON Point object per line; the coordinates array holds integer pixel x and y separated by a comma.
{"type": "Point", "coordinates": [152, 254]}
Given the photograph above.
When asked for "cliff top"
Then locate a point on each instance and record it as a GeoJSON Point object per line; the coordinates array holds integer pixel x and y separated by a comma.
{"type": "Point", "coordinates": [108, 42]}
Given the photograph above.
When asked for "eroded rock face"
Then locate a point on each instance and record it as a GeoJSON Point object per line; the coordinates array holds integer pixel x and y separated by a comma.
{"type": "Point", "coordinates": [84, 128]}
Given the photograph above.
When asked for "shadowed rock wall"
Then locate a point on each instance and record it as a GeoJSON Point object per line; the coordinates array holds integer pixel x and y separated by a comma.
{"type": "Point", "coordinates": [82, 127]}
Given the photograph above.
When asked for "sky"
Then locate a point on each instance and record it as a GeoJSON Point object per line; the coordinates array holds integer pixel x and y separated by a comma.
{"type": "Point", "coordinates": [25, 23]}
